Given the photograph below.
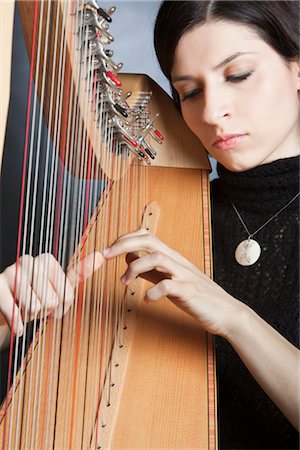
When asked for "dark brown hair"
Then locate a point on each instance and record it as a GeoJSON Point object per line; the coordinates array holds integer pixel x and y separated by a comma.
{"type": "Point", "coordinates": [276, 22]}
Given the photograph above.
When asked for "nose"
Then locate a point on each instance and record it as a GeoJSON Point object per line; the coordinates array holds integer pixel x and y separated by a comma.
{"type": "Point", "coordinates": [216, 107]}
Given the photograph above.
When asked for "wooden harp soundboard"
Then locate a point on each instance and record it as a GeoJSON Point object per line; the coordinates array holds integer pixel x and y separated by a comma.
{"type": "Point", "coordinates": [116, 373]}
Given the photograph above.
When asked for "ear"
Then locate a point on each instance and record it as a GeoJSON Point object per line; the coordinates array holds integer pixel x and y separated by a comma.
{"type": "Point", "coordinates": [295, 67]}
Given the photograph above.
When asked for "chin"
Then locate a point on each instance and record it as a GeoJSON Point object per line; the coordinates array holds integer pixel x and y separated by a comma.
{"type": "Point", "coordinates": [238, 166]}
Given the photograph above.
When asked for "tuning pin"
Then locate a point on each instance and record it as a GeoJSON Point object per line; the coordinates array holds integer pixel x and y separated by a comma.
{"type": "Point", "coordinates": [91, 18]}
{"type": "Point", "coordinates": [125, 97]}
{"type": "Point", "coordinates": [120, 109]}
{"type": "Point", "coordinates": [104, 14]}
{"type": "Point", "coordinates": [88, 17]}
{"type": "Point", "coordinates": [113, 78]}
{"type": "Point", "coordinates": [116, 67]}
{"type": "Point", "coordinates": [144, 156]}
{"type": "Point", "coordinates": [149, 153]}
{"type": "Point", "coordinates": [105, 39]}
{"type": "Point", "coordinates": [103, 86]}
{"type": "Point", "coordinates": [158, 134]}
{"type": "Point", "coordinates": [109, 53]}
{"type": "Point", "coordinates": [88, 34]}
{"type": "Point", "coordinates": [130, 140]}
{"type": "Point", "coordinates": [104, 29]}
{"type": "Point", "coordinates": [95, 62]}
{"type": "Point", "coordinates": [141, 156]}
{"type": "Point", "coordinates": [133, 120]}
{"type": "Point", "coordinates": [111, 10]}
{"type": "Point", "coordinates": [95, 47]}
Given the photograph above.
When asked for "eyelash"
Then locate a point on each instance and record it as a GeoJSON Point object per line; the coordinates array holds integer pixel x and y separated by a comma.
{"type": "Point", "coordinates": [241, 77]}
{"type": "Point", "coordinates": [231, 78]}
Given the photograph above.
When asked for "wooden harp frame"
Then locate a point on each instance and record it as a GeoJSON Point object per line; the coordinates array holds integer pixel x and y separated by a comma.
{"type": "Point", "coordinates": [163, 376]}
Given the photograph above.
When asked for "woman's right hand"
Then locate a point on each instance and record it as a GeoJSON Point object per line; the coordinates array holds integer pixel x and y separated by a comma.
{"type": "Point", "coordinates": [41, 288]}
{"type": "Point", "coordinates": [178, 279]}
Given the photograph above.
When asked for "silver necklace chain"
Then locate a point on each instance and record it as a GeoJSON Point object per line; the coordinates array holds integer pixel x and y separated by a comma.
{"type": "Point", "coordinates": [250, 235]}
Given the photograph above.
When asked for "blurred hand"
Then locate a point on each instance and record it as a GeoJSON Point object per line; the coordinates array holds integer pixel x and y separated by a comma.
{"type": "Point", "coordinates": [42, 287]}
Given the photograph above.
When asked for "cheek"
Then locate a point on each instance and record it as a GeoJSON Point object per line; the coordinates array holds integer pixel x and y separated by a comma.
{"type": "Point", "coordinates": [192, 118]}
{"type": "Point", "coordinates": [274, 106]}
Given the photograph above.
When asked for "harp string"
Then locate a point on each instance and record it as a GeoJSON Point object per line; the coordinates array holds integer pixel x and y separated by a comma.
{"type": "Point", "coordinates": [44, 230]}
{"type": "Point", "coordinates": [36, 142]}
{"type": "Point", "coordinates": [90, 314]}
{"type": "Point", "coordinates": [50, 223]}
{"type": "Point", "coordinates": [59, 232]}
{"type": "Point", "coordinates": [80, 302]}
{"type": "Point", "coordinates": [27, 152]}
{"type": "Point", "coordinates": [37, 377]}
{"type": "Point", "coordinates": [75, 198]}
{"type": "Point", "coordinates": [60, 222]}
{"type": "Point", "coordinates": [43, 334]}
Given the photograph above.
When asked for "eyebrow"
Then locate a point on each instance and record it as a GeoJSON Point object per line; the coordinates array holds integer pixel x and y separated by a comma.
{"type": "Point", "coordinates": [231, 58]}
{"type": "Point", "coordinates": [221, 64]}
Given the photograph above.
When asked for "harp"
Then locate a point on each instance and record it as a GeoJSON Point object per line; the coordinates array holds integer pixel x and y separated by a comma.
{"type": "Point", "coordinates": [112, 372]}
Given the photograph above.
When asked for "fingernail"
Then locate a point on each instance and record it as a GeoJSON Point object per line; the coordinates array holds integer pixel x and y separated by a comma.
{"type": "Point", "coordinates": [123, 279]}
{"type": "Point", "coordinates": [19, 332]}
{"type": "Point", "coordinates": [106, 251]}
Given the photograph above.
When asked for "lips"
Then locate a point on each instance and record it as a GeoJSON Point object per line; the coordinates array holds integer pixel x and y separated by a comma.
{"type": "Point", "coordinates": [229, 141]}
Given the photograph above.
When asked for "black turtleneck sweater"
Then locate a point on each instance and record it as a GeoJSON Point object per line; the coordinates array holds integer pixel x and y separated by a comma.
{"type": "Point", "coordinates": [247, 417]}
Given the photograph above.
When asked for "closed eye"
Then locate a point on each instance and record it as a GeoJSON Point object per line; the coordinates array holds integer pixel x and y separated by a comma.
{"type": "Point", "coordinates": [232, 78]}
{"type": "Point", "coordinates": [191, 94]}
{"type": "Point", "coordinates": [240, 77]}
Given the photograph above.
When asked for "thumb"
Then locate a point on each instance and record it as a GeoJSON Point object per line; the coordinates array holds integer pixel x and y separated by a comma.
{"type": "Point", "coordinates": [85, 268]}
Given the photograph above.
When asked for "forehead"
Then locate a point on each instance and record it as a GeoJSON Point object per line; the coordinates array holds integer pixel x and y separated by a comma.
{"type": "Point", "coordinates": [212, 42]}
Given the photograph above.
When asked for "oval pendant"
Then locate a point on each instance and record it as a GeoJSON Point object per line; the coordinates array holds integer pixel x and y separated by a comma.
{"type": "Point", "coordinates": [247, 252]}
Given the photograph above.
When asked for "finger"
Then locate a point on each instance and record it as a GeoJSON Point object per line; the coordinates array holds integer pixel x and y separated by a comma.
{"type": "Point", "coordinates": [163, 289]}
{"type": "Point", "coordinates": [41, 283]}
{"type": "Point", "coordinates": [9, 309]}
{"type": "Point", "coordinates": [85, 268]}
{"type": "Point", "coordinates": [19, 279]}
{"type": "Point", "coordinates": [139, 232]}
{"type": "Point", "coordinates": [152, 275]}
{"type": "Point", "coordinates": [156, 265]}
{"type": "Point", "coordinates": [61, 285]}
{"type": "Point", "coordinates": [145, 242]}
{"type": "Point", "coordinates": [131, 257]}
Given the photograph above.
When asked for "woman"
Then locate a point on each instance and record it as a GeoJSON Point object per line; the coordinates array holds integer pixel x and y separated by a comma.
{"type": "Point", "coordinates": [235, 75]}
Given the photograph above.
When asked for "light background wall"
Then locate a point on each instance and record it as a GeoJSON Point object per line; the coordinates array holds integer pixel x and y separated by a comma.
{"type": "Point", "coordinates": [132, 28]}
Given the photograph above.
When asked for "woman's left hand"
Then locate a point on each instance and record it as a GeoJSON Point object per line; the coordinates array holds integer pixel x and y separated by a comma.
{"type": "Point", "coordinates": [176, 278]}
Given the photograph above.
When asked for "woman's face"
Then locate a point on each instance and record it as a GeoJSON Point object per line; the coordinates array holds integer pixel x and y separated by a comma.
{"type": "Point", "coordinates": [237, 95]}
